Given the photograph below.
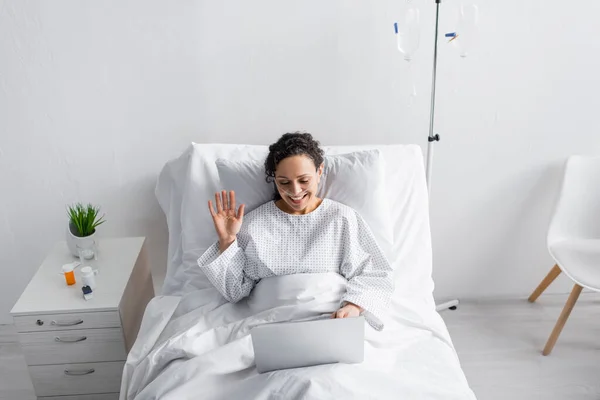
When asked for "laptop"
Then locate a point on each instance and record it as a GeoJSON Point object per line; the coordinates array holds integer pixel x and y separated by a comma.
{"type": "Point", "coordinates": [306, 343]}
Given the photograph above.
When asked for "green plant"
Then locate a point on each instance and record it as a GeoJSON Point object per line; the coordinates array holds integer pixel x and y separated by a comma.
{"type": "Point", "coordinates": [84, 219]}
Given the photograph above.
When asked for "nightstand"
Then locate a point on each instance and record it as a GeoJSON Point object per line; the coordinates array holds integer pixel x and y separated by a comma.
{"type": "Point", "coordinates": [76, 349]}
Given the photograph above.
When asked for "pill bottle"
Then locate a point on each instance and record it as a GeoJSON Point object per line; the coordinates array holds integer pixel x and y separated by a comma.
{"type": "Point", "coordinates": [67, 270]}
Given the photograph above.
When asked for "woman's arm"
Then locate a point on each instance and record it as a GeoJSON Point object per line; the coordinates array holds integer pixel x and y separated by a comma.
{"type": "Point", "coordinates": [370, 276]}
{"type": "Point", "coordinates": [224, 262]}
{"type": "Point", "coordinates": [226, 270]}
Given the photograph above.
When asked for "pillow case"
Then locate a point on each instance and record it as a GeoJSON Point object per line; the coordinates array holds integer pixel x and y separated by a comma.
{"type": "Point", "coordinates": [247, 179]}
{"type": "Point", "coordinates": [355, 179]}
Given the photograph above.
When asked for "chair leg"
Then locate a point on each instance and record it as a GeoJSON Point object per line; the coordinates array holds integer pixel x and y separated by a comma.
{"type": "Point", "coordinates": [564, 315]}
{"type": "Point", "coordinates": [554, 272]}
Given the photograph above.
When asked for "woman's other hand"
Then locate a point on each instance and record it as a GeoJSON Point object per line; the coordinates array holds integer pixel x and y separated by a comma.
{"type": "Point", "coordinates": [348, 311]}
{"type": "Point", "coordinates": [227, 221]}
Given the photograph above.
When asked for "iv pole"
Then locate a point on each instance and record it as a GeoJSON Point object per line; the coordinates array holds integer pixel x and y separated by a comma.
{"type": "Point", "coordinates": [432, 138]}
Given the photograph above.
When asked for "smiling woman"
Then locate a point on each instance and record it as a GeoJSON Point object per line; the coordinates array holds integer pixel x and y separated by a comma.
{"type": "Point", "coordinates": [297, 233]}
{"type": "Point", "coordinates": [295, 165]}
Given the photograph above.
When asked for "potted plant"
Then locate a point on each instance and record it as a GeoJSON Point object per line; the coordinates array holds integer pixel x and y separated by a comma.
{"type": "Point", "coordinates": [83, 221]}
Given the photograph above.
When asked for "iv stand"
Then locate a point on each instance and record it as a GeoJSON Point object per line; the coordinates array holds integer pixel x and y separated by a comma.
{"type": "Point", "coordinates": [432, 138]}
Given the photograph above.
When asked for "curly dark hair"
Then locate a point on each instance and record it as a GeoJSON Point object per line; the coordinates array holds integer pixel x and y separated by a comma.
{"type": "Point", "coordinates": [291, 144]}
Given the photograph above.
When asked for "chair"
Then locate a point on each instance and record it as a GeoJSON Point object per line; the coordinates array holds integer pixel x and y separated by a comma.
{"type": "Point", "coordinates": [574, 236]}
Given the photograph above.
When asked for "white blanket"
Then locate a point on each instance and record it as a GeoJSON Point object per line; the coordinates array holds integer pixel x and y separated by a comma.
{"type": "Point", "coordinates": [198, 346]}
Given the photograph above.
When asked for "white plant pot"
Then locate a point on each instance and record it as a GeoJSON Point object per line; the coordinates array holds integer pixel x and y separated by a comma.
{"type": "Point", "coordinates": [74, 243]}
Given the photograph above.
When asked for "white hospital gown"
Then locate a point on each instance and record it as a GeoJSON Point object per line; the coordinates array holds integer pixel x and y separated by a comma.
{"type": "Point", "coordinates": [332, 238]}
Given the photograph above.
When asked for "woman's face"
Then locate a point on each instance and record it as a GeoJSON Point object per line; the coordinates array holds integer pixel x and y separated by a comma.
{"type": "Point", "coordinates": [297, 181]}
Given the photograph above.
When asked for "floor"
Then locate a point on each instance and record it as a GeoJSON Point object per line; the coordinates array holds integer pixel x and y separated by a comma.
{"type": "Point", "coordinates": [14, 379]}
{"type": "Point", "coordinates": [499, 344]}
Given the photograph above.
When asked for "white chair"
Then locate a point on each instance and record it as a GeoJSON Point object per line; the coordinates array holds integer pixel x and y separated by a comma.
{"type": "Point", "coordinates": [574, 236]}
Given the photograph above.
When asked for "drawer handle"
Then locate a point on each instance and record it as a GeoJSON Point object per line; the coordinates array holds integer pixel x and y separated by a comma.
{"type": "Point", "coordinates": [73, 340]}
{"type": "Point", "coordinates": [79, 372]}
{"type": "Point", "coordinates": [69, 323]}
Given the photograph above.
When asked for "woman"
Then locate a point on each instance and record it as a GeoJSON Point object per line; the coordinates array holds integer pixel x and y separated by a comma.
{"type": "Point", "coordinates": [297, 233]}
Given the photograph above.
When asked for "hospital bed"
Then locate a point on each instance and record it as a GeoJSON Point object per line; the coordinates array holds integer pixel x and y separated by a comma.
{"type": "Point", "coordinates": [193, 344]}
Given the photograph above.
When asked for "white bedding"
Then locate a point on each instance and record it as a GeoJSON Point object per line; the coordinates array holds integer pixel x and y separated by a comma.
{"type": "Point", "coordinates": [188, 348]}
{"type": "Point", "coordinates": [193, 344]}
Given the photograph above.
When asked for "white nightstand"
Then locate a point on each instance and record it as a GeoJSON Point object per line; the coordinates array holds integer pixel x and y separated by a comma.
{"type": "Point", "coordinates": [76, 349]}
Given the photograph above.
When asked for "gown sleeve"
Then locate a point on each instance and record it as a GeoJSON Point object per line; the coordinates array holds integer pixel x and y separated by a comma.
{"type": "Point", "coordinates": [369, 274]}
{"type": "Point", "coordinates": [226, 270]}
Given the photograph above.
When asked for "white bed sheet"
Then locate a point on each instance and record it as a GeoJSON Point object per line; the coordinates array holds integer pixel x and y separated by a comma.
{"type": "Point", "coordinates": [198, 347]}
{"type": "Point", "coordinates": [192, 344]}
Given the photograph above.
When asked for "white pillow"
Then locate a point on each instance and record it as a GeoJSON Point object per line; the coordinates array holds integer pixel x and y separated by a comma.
{"type": "Point", "coordinates": [247, 179]}
{"type": "Point", "coordinates": [354, 179]}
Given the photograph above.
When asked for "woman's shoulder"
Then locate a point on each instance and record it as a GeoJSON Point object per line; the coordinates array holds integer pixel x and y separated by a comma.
{"type": "Point", "coordinates": [336, 205]}
{"type": "Point", "coordinates": [341, 209]}
{"type": "Point", "coordinates": [260, 212]}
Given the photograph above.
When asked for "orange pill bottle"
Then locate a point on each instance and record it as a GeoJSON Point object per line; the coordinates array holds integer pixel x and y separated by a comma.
{"type": "Point", "coordinates": [67, 270]}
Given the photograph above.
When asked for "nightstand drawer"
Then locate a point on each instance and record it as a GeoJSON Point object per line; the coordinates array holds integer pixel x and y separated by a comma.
{"type": "Point", "coordinates": [61, 322]}
{"type": "Point", "coordinates": [104, 396]}
{"type": "Point", "coordinates": [73, 346]}
{"type": "Point", "coordinates": [72, 379]}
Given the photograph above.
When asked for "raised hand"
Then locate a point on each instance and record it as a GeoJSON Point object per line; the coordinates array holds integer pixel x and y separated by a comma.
{"type": "Point", "coordinates": [227, 221]}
